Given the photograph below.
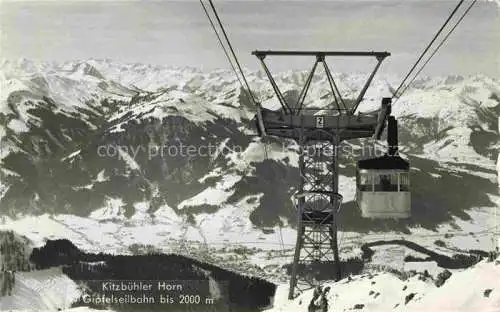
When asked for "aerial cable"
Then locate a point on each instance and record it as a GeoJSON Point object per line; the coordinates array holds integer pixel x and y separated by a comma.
{"type": "Point", "coordinates": [222, 44]}
{"type": "Point", "coordinates": [428, 47]}
{"type": "Point", "coordinates": [248, 90]}
{"type": "Point", "coordinates": [438, 47]}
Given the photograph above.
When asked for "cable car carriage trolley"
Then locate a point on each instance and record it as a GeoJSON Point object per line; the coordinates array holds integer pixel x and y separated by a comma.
{"type": "Point", "coordinates": [383, 183]}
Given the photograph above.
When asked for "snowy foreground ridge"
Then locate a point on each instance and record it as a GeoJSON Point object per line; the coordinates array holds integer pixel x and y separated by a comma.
{"type": "Point", "coordinates": [211, 208]}
{"type": "Point", "coordinates": [475, 289]}
{"type": "Point", "coordinates": [462, 292]}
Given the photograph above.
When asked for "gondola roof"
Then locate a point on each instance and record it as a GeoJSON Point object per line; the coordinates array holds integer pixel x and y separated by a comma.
{"type": "Point", "coordinates": [385, 162]}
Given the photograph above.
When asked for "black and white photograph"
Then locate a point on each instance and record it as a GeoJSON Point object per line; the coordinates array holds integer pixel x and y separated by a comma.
{"type": "Point", "coordinates": [250, 155]}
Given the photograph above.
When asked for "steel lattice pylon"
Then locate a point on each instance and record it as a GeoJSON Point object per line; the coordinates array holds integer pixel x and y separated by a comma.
{"type": "Point", "coordinates": [319, 133]}
{"type": "Point", "coordinates": [318, 202]}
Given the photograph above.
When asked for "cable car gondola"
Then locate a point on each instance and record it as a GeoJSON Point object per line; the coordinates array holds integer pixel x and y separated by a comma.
{"type": "Point", "coordinates": [383, 183]}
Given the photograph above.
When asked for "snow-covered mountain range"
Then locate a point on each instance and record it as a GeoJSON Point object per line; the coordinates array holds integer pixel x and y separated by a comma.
{"type": "Point", "coordinates": [108, 155]}
{"type": "Point", "coordinates": [78, 136]}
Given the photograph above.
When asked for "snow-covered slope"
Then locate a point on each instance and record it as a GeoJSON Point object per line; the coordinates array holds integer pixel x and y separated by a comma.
{"type": "Point", "coordinates": [40, 290]}
{"type": "Point", "coordinates": [474, 289]}
{"type": "Point", "coordinates": [478, 289]}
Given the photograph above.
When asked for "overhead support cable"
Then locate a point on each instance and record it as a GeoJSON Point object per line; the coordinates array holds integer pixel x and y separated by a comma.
{"type": "Point", "coordinates": [438, 47]}
{"type": "Point", "coordinates": [231, 49]}
{"type": "Point", "coordinates": [247, 91]}
{"type": "Point", "coordinates": [428, 47]}
{"type": "Point", "coordinates": [222, 44]}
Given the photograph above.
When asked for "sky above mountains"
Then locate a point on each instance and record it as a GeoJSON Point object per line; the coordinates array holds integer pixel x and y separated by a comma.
{"type": "Point", "coordinates": [178, 33]}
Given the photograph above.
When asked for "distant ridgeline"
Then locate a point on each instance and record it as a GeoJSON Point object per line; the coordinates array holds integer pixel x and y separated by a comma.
{"type": "Point", "coordinates": [180, 282]}
{"type": "Point", "coordinates": [14, 254]}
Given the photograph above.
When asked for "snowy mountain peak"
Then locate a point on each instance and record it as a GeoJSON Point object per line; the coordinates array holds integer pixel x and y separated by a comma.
{"type": "Point", "coordinates": [86, 69]}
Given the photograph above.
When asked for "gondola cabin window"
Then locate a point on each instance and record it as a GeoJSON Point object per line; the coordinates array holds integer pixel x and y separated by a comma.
{"type": "Point", "coordinates": [365, 181]}
{"type": "Point", "coordinates": [373, 181]}
{"type": "Point", "coordinates": [387, 182]}
{"type": "Point", "coordinates": [404, 181]}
